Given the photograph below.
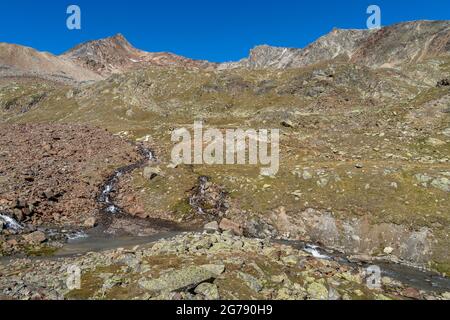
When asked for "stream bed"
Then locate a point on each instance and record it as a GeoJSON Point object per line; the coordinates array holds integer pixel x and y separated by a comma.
{"type": "Point", "coordinates": [408, 275]}
{"type": "Point", "coordinates": [96, 240]}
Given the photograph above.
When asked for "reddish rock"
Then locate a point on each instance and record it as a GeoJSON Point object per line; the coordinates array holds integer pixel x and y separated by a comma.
{"type": "Point", "coordinates": [228, 225]}
{"type": "Point", "coordinates": [36, 237]}
{"type": "Point", "coordinates": [67, 165]}
{"type": "Point", "coordinates": [12, 242]}
{"type": "Point", "coordinates": [90, 222]}
{"type": "Point", "coordinates": [411, 293]}
{"type": "Point", "coordinates": [137, 210]}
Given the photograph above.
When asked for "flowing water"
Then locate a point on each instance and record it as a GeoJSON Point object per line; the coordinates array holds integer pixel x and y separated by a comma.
{"type": "Point", "coordinates": [10, 223]}
{"type": "Point", "coordinates": [110, 186]}
{"type": "Point", "coordinates": [408, 275]}
{"type": "Point", "coordinates": [80, 243]}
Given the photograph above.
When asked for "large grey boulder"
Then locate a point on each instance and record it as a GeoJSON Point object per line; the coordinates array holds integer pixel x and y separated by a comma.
{"type": "Point", "coordinates": [183, 279]}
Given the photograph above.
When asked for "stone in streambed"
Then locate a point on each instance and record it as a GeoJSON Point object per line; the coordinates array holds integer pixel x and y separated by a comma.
{"type": "Point", "coordinates": [36, 237]}
{"type": "Point", "coordinates": [90, 222]}
{"type": "Point", "coordinates": [411, 293]}
{"type": "Point", "coordinates": [211, 227]}
{"type": "Point", "coordinates": [228, 225]}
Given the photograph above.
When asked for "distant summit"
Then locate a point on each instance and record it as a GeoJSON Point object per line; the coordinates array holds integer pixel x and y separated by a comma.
{"type": "Point", "coordinates": [116, 55]}
{"type": "Point", "coordinates": [386, 47]}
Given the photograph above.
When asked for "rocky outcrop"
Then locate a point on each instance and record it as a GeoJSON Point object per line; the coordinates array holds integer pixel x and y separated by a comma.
{"type": "Point", "coordinates": [387, 47]}
{"type": "Point", "coordinates": [339, 43]}
{"type": "Point", "coordinates": [409, 42]}
{"type": "Point", "coordinates": [357, 236]}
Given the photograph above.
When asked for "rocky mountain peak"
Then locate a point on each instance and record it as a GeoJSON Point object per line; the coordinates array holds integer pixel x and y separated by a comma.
{"type": "Point", "coordinates": [104, 56]}
{"type": "Point", "coordinates": [386, 47]}
{"type": "Point", "coordinates": [118, 41]}
{"type": "Point", "coordinates": [116, 54]}
{"type": "Point", "coordinates": [118, 37]}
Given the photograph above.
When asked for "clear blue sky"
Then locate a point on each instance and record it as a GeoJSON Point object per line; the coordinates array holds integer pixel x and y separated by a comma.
{"type": "Point", "coordinates": [215, 30]}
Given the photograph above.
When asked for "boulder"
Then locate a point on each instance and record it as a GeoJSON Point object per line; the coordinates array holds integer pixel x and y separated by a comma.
{"type": "Point", "coordinates": [228, 225]}
{"type": "Point", "coordinates": [36, 237]}
{"type": "Point", "coordinates": [307, 175]}
{"type": "Point", "coordinates": [287, 123]}
{"type": "Point", "coordinates": [137, 210]}
{"type": "Point", "coordinates": [18, 214]}
{"type": "Point", "coordinates": [20, 203]}
{"type": "Point", "coordinates": [250, 281]}
{"type": "Point", "coordinates": [211, 227]}
{"type": "Point", "coordinates": [151, 172]}
{"type": "Point", "coordinates": [446, 132]}
{"type": "Point", "coordinates": [317, 291]}
{"type": "Point", "coordinates": [185, 278]}
{"type": "Point", "coordinates": [412, 293]}
{"type": "Point", "coordinates": [209, 290]}
{"type": "Point", "coordinates": [388, 250]}
{"type": "Point", "coordinates": [441, 183]}
{"type": "Point", "coordinates": [446, 295]}
{"type": "Point", "coordinates": [90, 222]}
{"type": "Point", "coordinates": [435, 142]}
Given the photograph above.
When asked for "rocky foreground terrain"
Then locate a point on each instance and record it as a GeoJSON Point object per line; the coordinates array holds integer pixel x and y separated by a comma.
{"type": "Point", "coordinates": [364, 170]}
{"type": "Point", "coordinates": [197, 266]}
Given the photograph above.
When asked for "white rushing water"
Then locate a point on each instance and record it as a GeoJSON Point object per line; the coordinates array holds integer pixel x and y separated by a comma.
{"type": "Point", "coordinates": [76, 235]}
{"type": "Point", "coordinates": [105, 197]}
{"type": "Point", "coordinates": [312, 249]}
{"type": "Point", "coordinates": [10, 223]}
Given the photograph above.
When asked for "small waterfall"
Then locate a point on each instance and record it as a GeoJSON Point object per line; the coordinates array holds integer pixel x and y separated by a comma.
{"type": "Point", "coordinates": [10, 223]}
{"type": "Point", "coordinates": [73, 236]}
{"type": "Point", "coordinates": [105, 197]}
{"type": "Point", "coordinates": [313, 249]}
{"type": "Point", "coordinates": [195, 199]}
{"type": "Point", "coordinates": [109, 187]}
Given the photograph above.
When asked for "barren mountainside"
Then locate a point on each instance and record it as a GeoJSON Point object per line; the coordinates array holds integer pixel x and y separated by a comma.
{"type": "Point", "coordinates": [392, 46]}
{"type": "Point", "coordinates": [116, 55]}
{"type": "Point", "coordinates": [18, 60]}
{"type": "Point", "coordinates": [363, 179]}
{"type": "Point", "coordinates": [387, 47]}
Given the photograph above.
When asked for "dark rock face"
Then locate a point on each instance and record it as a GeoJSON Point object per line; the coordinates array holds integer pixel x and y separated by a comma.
{"type": "Point", "coordinates": [443, 83]}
